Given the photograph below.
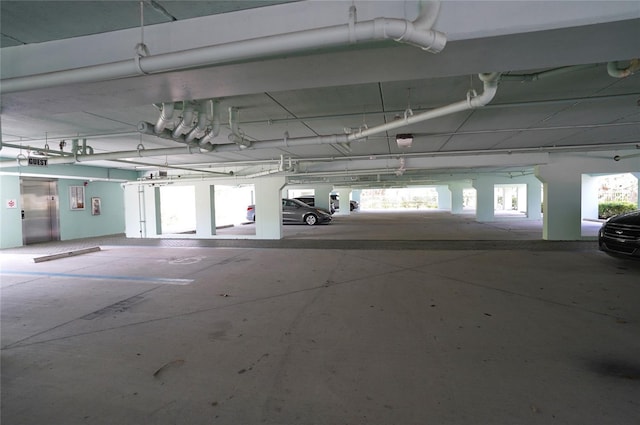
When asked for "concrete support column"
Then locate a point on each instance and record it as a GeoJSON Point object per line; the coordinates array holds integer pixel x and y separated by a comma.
{"type": "Point", "coordinates": [356, 195]}
{"type": "Point", "coordinates": [589, 204]}
{"type": "Point", "coordinates": [484, 198]}
{"type": "Point", "coordinates": [344, 194]}
{"type": "Point", "coordinates": [269, 207]}
{"type": "Point", "coordinates": [534, 198]}
{"type": "Point", "coordinates": [321, 196]}
{"type": "Point", "coordinates": [135, 220]}
{"type": "Point", "coordinates": [205, 210]}
{"type": "Point", "coordinates": [155, 215]}
{"type": "Point", "coordinates": [521, 196]}
{"type": "Point", "coordinates": [457, 197]}
{"type": "Point", "coordinates": [562, 207]}
{"type": "Point", "coordinates": [444, 198]}
{"type": "Point", "coordinates": [637, 176]}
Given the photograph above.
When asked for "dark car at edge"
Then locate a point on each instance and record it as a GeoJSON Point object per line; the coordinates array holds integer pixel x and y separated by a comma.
{"type": "Point", "coordinates": [620, 235]}
{"type": "Point", "coordinates": [295, 211]}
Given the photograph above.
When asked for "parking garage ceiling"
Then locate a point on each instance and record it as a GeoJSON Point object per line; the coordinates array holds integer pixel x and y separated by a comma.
{"type": "Point", "coordinates": [562, 87]}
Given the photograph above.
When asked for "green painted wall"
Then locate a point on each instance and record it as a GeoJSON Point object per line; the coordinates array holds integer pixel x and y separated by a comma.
{"type": "Point", "coordinates": [10, 218]}
{"type": "Point", "coordinates": [74, 224]}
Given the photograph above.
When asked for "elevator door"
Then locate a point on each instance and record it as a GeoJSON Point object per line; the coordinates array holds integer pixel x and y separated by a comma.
{"type": "Point", "coordinates": [40, 211]}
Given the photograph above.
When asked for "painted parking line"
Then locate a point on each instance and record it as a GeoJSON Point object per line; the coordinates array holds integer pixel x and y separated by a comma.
{"type": "Point", "coordinates": [157, 280]}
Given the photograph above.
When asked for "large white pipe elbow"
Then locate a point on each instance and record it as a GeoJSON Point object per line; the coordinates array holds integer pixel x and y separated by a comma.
{"type": "Point", "coordinates": [403, 32]}
{"type": "Point", "coordinates": [204, 118]}
{"type": "Point", "coordinates": [165, 116]}
{"type": "Point", "coordinates": [205, 142]}
{"type": "Point", "coordinates": [187, 120]}
{"type": "Point", "coordinates": [614, 71]}
{"type": "Point", "coordinates": [490, 87]}
{"type": "Point", "coordinates": [429, 11]}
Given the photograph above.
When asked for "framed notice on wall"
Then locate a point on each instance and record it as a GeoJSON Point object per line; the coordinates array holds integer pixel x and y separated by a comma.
{"type": "Point", "coordinates": [76, 197]}
{"type": "Point", "coordinates": [96, 206]}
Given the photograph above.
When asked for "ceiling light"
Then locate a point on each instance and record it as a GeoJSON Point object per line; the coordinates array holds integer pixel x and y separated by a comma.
{"type": "Point", "coordinates": [404, 140]}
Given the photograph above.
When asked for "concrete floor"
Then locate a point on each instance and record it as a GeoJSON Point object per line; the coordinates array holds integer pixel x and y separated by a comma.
{"type": "Point", "coordinates": [491, 327]}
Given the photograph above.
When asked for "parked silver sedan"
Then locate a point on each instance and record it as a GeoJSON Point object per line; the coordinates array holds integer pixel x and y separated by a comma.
{"type": "Point", "coordinates": [294, 211]}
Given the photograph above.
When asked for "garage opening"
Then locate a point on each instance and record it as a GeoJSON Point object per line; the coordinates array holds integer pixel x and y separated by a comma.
{"type": "Point", "coordinates": [178, 209]}
{"type": "Point", "coordinates": [510, 200]}
{"type": "Point", "coordinates": [232, 205]}
{"type": "Point", "coordinates": [399, 199]}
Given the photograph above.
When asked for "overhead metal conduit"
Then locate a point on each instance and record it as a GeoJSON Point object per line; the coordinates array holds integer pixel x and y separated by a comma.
{"type": "Point", "coordinates": [166, 114]}
{"type": "Point", "coordinates": [108, 156]}
{"type": "Point", "coordinates": [490, 83]}
{"type": "Point", "coordinates": [400, 30]}
{"type": "Point", "coordinates": [205, 142]}
{"type": "Point", "coordinates": [186, 124]}
{"type": "Point", "coordinates": [473, 100]}
{"type": "Point", "coordinates": [204, 119]}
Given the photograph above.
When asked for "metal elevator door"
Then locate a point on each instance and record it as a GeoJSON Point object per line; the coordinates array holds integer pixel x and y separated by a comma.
{"type": "Point", "coordinates": [40, 211]}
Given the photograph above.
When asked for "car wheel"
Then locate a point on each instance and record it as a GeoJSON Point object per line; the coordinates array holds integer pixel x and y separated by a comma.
{"type": "Point", "coordinates": [311, 219]}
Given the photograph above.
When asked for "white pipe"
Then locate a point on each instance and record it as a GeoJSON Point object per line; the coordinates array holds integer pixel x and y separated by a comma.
{"type": "Point", "coordinates": [186, 124]}
{"type": "Point", "coordinates": [378, 29]}
{"type": "Point", "coordinates": [490, 82]}
{"type": "Point", "coordinates": [141, 153]}
{"type": "Point", "coordinates": [205, 142]}
{"type": "Point", "coordinates": [204, 118]}
{"type": "Point", "coordinates": [236, 135]}
{"type": "Point", "coordinates": [614, 71]}
{"type": "Point", "coordinates": [148, 128]}
{"type": "Point", "coordinates": [233, 121]}
{"type": "Point", "coordinates": [165, 116]}
{"type": "Point", "coordinates": [429, 12]}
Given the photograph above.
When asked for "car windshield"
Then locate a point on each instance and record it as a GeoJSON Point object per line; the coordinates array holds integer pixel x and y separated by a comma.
{"type": "Point", "coordinates": [293, 203]}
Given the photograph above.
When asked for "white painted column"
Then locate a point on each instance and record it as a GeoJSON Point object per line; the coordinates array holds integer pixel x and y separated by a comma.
{"type": "Point", "coordinates": [521, 197]}
{"type": "Point", "coordinates": [534, 198]}
{"type": "Point", "coordinates": [589, 203]}
{"type": "Point", "coordinates": [562, 217]}
{"type": "Point", "coordinates": [484, 198]}
{"type": "Point", "coordinates": [457, 198]}
{"type": "Point", "coordinates": [637, 176]}
{"type": "Point", "coordinates": [134, 219]}
{"type": "Point", "coordinates": [509, 192]}
{"type": "Point", "coordinates": [153, 212]}
{"type": "Point", "coordinates": [344, 194]}
{"type": "Point", "coordinates": [321, 195]}
{"type": "Point", "coordinates": [356, 195]}
{"type": "Point", "coordinates": [444, 198]}
{"type": "Point", "coordinates": [205, 210]}
{"type": "Point", "coordinates": [269, 207]}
